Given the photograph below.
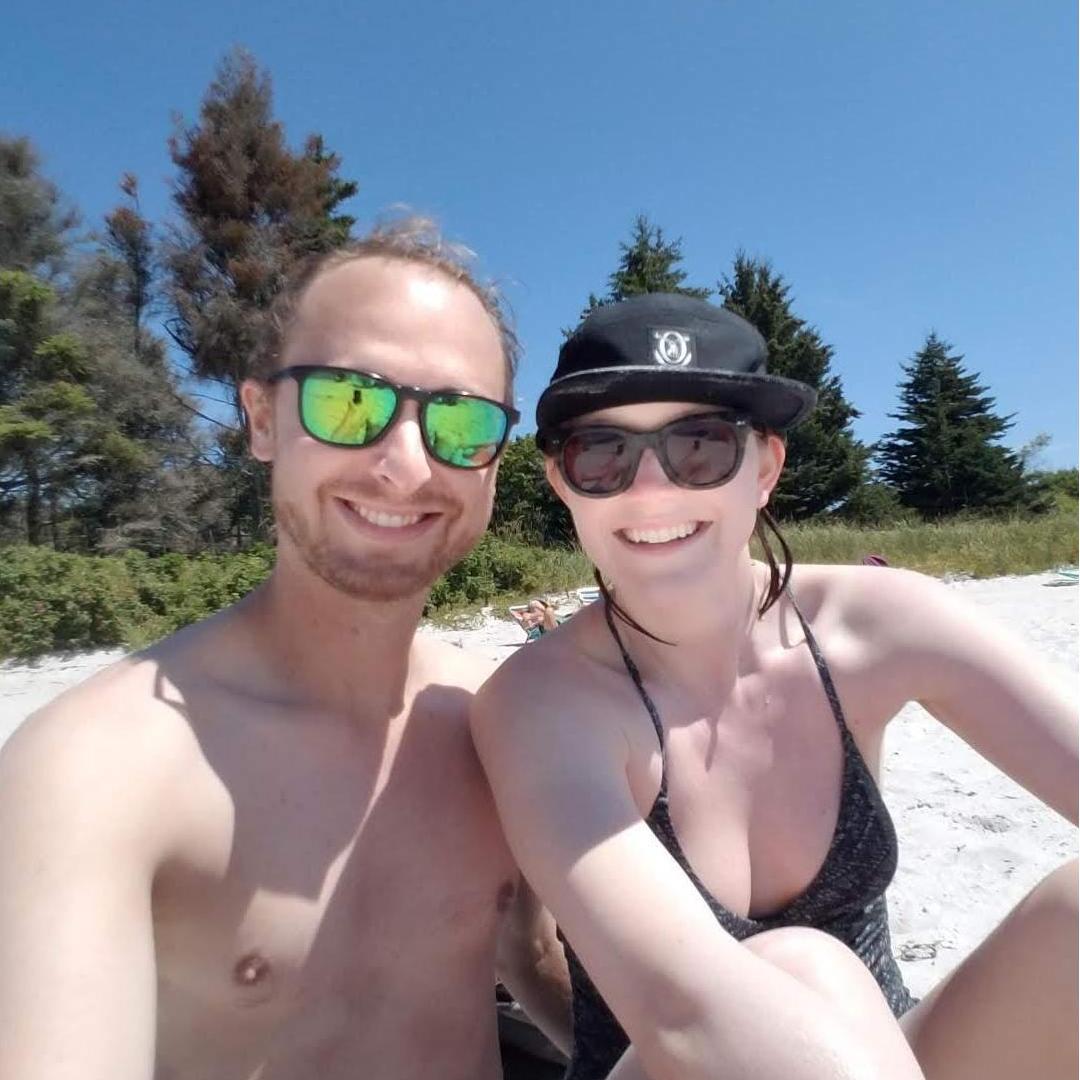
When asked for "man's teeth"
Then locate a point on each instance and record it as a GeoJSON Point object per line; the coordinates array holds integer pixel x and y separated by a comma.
{"type": "Point", "coordinates": [660, 536]}
{"type": "Point", "coordinates": [386, 521]}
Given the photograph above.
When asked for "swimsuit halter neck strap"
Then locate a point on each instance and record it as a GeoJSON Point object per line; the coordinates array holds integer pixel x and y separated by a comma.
{"type": "Point", "coordinates": [635, 675]}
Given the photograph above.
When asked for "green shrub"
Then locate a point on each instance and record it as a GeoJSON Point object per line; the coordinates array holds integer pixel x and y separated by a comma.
{"type": "Point", "coordinates": [876, 504]}
{"type": "Point", "coordinates": [52, 601]}
{"type": "Point", "coordinates": [498, 569]}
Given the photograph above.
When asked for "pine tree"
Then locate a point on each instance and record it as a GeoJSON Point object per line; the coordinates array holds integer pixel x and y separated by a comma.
{"type": "Point", "coordinates": [330, 229]}
{"type": "Point", "coordinates": [139, 491]}
{"type": "Point", "coordinates": [129, 240]}
{"type": "Point", "coordinates": [96, 443]}
{"type": "Point", "coordinates": [48, 422]}
{"type": "Point", "coordinates": [826, 464]}
{"type": "Point", "coordinates": [526, 508]}
{"type": "Point", "coordinates": [647, 264]}
{"type": "Point", "coordinates": [35, 224]}
{"type": "Point", "coordinates": [250, 208]}
{"type": "Point", "coordinates": [946, 455]}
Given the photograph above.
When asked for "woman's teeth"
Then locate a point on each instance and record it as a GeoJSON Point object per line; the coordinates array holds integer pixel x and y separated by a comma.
{"type": "Point", "coordinates": [386, 521]}
{"type": "Point", "coordinates": [661, 536]}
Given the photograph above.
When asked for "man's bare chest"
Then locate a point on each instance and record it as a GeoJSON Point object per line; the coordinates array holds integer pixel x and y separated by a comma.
{"type": "Point", "coordinates": [324, 878]}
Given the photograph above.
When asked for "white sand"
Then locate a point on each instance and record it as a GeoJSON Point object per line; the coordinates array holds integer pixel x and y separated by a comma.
{"type": "Point", "coordinates": [972, 842]}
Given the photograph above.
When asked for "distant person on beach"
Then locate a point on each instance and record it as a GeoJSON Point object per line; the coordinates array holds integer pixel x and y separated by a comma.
{"type": "Point", "coordinates": [265, 846]}
{"type": "Point", "coordinates": [536, 618]}
{"type": "Point", "coordinates": [688, 771]}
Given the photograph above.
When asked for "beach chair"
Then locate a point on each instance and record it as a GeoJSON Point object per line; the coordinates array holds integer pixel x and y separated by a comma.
{"type": "Point", "coordinates": [1066, 575]}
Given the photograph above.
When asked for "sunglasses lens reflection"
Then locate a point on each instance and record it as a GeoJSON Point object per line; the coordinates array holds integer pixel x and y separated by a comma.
{"type": "Point", "coordinates": [345, 407]}
{"type": "Point", "coordinates": [596, 462]}
{"type": "Point", "coordinates": [464, 431]}
{"type": "Point", "coordinates": [700, 451]}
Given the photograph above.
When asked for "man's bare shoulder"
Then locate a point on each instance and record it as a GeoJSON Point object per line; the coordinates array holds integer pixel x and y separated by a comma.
{"type": "Point", "coordinates": [126, 728]}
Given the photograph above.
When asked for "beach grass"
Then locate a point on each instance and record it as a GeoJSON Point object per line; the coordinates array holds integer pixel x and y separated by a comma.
{"type": "Point", "coordinates": [962, 546]}
{"type": "Point", "coordinates": [53, 601]}
{"type": "Point", "coordinates": [959, 547]}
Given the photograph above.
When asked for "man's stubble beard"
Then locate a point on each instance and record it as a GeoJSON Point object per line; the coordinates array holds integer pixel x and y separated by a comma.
{"type": "Point", "coordinates": [371, 576]}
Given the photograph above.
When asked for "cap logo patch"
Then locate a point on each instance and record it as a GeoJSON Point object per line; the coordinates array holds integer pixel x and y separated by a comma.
{"type": "Point", "coordinates": [672, 348]}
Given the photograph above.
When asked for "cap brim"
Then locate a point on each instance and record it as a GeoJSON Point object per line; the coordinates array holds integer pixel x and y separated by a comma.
{"type": "Point", "coordinates": [770, 400]}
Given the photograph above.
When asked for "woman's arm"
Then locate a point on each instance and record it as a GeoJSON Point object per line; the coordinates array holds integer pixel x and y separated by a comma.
{"type": "Point", "coordinates": [987, 686]}
{"type": "Point", "coordinates": [692, 1000]}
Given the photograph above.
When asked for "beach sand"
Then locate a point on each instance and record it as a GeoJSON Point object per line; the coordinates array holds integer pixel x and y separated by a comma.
{"type": "Point", "coordinates": [972, 842]}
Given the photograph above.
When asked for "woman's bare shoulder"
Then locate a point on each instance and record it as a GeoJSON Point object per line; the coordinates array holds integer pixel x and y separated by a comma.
{"type": "Point", "coordinates": [903, 624]}
{"type": "Point", "coordinates": [566, 654]}
{"type": "Point", "coordinates": [865, 598]}
{"type": "Point", "coordinates": [553, 688]}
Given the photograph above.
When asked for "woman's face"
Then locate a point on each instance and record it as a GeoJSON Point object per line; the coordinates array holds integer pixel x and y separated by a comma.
{"type": "Point", "coordinates": [657, 533]}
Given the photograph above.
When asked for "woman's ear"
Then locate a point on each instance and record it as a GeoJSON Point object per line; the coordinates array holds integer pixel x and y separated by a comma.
{"type": "Point", "coordinates": [258, 401]}
{"type": "Point", "coordinates": [771, 456]}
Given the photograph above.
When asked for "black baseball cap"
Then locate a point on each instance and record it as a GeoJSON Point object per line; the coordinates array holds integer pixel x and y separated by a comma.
{"type": "Point", "coordinates": [668, 347]}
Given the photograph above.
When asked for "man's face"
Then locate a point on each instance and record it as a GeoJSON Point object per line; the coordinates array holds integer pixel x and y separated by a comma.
{"type": "Point", "coordinates": [380, 522]}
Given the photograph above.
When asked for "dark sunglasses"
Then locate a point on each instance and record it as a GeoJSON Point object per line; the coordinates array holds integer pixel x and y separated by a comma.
{"type": "Point", "coordinates": [347, 408]}
{"type": "Point", "coordinates": [700, 451]}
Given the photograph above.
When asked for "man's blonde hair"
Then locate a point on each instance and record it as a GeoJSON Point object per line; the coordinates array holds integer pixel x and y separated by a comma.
{"type": "Point", "coordinates": [410, 239]}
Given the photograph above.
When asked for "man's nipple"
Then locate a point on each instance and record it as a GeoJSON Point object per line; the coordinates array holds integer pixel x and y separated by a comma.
{"type": "Point", "coordinates": [252, 973]}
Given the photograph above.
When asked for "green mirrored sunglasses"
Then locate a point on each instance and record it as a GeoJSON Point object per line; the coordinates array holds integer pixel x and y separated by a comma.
{"type": "Point", "coordinates": [351, 409]}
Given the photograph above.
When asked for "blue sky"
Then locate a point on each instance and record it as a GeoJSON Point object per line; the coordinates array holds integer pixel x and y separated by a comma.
{"type": "Point", "coordinates": [906, 166]}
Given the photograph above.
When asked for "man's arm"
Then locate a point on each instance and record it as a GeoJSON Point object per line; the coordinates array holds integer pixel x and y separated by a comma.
{"type": "Point", "coordinates": [532, 965]}
{"type": "Point", "coordinates": [77, 975]}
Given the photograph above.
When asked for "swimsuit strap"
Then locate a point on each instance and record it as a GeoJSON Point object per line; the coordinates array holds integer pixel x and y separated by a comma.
{"type": "Point", "coordinates": [635, 676]}
{"type": "Point", "coordinates": [822, 667]}
{"type": "Point", "coordinates": [815, 651]}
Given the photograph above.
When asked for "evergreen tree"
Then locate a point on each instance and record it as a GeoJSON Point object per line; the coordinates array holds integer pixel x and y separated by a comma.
{"type": "Point", "coordinates": [48, 428]}
{"type": "Point", "coordinates": [525, 506]}
{"type": "Point", "coordinates": [96, 448]}
{"type": "Point", "coordinates": [249, 209]}
{"type": "Point", "coordinates": [946, 455]}
{"type": "Point", "coordinates": [34, 222]}
{"type": "Point", "coordinates": [96, 443]}
{"type": "Point", "coordinates": [129, 239]}
{"type": "Point", "coordinates": [143, 492]}
{"type": "Point", "coordinates": [826, 464]}
{"type": "Point", "coordinates": [647, 263]}
{"type": "Point", "coordinates": [330, 229]}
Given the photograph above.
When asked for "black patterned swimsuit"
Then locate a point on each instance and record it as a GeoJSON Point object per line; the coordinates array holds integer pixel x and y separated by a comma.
{"type": "Point", "coordinates": [845, 899]}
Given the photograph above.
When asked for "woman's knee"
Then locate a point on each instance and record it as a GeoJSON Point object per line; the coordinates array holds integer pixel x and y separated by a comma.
{"type": "Point", "coordinates": [840, 980]}
{"type": "Point", "coordinates": [817, 960]}
{"type": "Point", "coordinates": [1055, 901]}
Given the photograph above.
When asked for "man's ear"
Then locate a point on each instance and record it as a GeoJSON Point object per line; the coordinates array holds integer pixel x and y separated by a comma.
{"type": "Point", "coordinates": [771, 457]}
{"type": "Point", "coordinates": [257, 399]}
